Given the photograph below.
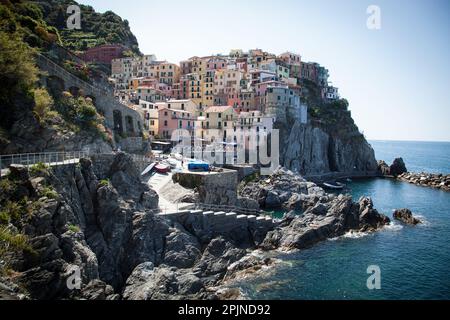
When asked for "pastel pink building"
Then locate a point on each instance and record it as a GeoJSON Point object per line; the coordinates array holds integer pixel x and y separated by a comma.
{"type": "Point", "coordinates": [216, 64]}
{"type": "Point", "coordinates": [261, 88]}
{"type": "Point", "coordinates": [172, 119]}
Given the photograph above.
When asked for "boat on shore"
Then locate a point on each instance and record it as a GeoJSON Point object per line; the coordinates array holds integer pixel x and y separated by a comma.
{"type": "Point", "coordinates": [162, 168]}
{"type": "Point", "coordinates": [148, 169]}
{"type": "Point", "coordinates": [336, 186]}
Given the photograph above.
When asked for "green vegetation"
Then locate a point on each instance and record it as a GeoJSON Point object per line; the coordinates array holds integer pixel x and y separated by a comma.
{"type": "Point", "coordinates": [49, 192]}
{"type": "Point", "coordinates": [103, 183]}
{"type": "Point", "coordinates": [73, 228]}
{"type": "Point", "coordinates": [81, 113]}
{"type": "Point", "coordinates": [10, 242]}
{"type": "Point", "coordinates": [43, 106]}
{"type": "Point", "coordinates": [97, 28]}
{"type": "Point", "coordinates": [7, 186]}
{"type": "Point", "coordinates": [40, 169]}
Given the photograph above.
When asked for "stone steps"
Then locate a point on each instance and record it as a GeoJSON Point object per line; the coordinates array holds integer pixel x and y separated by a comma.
{"type": "Point", "coordinates": [221, 222]}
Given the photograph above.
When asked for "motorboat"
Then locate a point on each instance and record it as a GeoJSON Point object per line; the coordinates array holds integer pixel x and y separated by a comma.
{"type": "Point", "coordinates": [333, 186]}
{"type": "Point", "coordinates": [162, 168]}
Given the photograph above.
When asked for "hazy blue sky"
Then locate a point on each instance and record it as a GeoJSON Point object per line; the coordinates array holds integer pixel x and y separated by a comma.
{"type": "Point", "coordinates": [396, 79]}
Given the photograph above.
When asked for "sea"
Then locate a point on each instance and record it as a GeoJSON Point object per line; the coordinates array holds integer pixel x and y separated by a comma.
{"type": "Point", "coordinates": [411, 262]}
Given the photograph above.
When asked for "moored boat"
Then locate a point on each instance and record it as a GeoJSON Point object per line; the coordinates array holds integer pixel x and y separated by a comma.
{"type": "Point", "coordinates": [333, 186]}
{"type": "Point", "coordinates": [162, 168]}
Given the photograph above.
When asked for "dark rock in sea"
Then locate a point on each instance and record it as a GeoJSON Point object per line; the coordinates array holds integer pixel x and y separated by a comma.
{"type": "Point", "coordinates": [326, 221]}
{"type": "Point", "coordinates": [283, 189]}
{"type": "Point", "coordinates": [406, 216]}
{"type": "Point", "coordinates": [383, 168]}
{"type": "Point", "coordinates": [397, 167]}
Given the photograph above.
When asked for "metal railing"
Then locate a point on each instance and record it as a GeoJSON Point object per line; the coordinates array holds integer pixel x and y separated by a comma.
{"type": "Point", "coordinates": [48, 158]}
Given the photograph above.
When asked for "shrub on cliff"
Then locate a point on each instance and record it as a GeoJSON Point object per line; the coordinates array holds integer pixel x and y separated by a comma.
{"type": "Point", "coordinates": [43, 105]}
{"type": "Point", "coordinates": [18, 75]}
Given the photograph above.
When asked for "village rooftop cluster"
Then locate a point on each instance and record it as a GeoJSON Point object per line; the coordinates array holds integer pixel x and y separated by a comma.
{"type": "Point", "coordinates": [241, 90]}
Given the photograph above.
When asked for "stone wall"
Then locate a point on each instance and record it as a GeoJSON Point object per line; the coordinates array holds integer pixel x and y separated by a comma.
{"type": "Point", "coordinates": [214, 188]}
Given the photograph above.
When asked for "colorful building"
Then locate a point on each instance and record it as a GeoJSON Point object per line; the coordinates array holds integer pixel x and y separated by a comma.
{"type": "Point", "coordinates": [172, 119]}
{"type": "Point", "coordinates": [104, 53]}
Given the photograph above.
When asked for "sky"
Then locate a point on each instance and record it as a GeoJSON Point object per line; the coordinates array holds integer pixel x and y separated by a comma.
{"type": "Point", "coordinates": [396, 78]}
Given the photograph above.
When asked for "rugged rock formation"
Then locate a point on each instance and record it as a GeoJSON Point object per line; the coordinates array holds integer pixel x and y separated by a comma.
{"type": "Point", "coordinates": [87, 225]}
{"type": "Point", "coordinates": [326, 220]}
{"type": "Point", "coordinates": [395, 169]}
{"type": "Point", "coordinates": [323, 215]}
{"type": "Point", "coordinates": [406, 216]}
{"type": "Point", "coordinates": [123, 250]}
{"type": "Point", "coordinates": [438, 181]}
{"type": "Point", "coordinates": [282, 189]}
{"type": "Point", "coordinates": [27, 136]}
{"type": "Point", "coordinates": [310, 150]}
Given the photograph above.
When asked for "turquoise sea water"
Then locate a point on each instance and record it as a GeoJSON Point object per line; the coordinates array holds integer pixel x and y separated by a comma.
{"type": "Point", "coordinates": [414, 261]}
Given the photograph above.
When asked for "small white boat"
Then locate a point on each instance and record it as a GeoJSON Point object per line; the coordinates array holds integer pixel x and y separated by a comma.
{"type": "Point", "coordinates": [148, 169]}
{"type": "Point", "coordinates": [172, 163]}
{"type": "Point", "coordinates": [333, 186]}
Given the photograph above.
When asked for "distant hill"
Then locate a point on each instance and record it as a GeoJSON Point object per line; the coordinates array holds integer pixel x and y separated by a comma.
{"type": "Point", "coordinates": [97, 28]}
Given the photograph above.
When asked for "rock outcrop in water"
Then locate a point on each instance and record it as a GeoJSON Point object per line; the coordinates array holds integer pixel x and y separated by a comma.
{"type": "Point", "coordinates": [324, 215]}
{"type": "Point", "coordinates": [405, 216]}
{"type": "Point", "coordinates": [283, 189]}
{"type": "Point", "coordinates": [433, 180]}
{"type": "Point", "coordinates": [397, 168]}
{"type": "Point", "coordinates": [329, 218]}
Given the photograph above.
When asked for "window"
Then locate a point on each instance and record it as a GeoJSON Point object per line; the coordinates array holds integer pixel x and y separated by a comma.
{"type": "Point", "coordinates": [220, 115]}
{"type": "Point", "coordinates": [165, 123]}
{"type": "Point", "coordinates": [152, 122]}
{"type": "Point", "coordinates": [165, 113]}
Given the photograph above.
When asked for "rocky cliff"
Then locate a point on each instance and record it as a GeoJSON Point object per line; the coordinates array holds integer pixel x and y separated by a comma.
{"type": "Point", "coordinates": [330, 142]}
{"type": "Point", "coordinates": [311, 150]}
{"type": "Point", "coordinates": [96, 218]}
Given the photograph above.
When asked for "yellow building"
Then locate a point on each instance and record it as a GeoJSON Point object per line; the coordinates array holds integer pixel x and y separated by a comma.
{"type": "Point", "coordinates": [208, 89]}
{"type": "Point", "coordinates": [218, 117]}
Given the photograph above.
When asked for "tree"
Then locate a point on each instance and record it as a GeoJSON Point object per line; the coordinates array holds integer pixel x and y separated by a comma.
{"type": "Point", "coordinates": [18, 75]}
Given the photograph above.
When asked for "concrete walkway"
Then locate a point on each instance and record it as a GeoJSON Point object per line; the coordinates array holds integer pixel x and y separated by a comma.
{"type": "Point", "coordinates": [169, 192]}
{"type": "Point", "coordinates": [5, 172]}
